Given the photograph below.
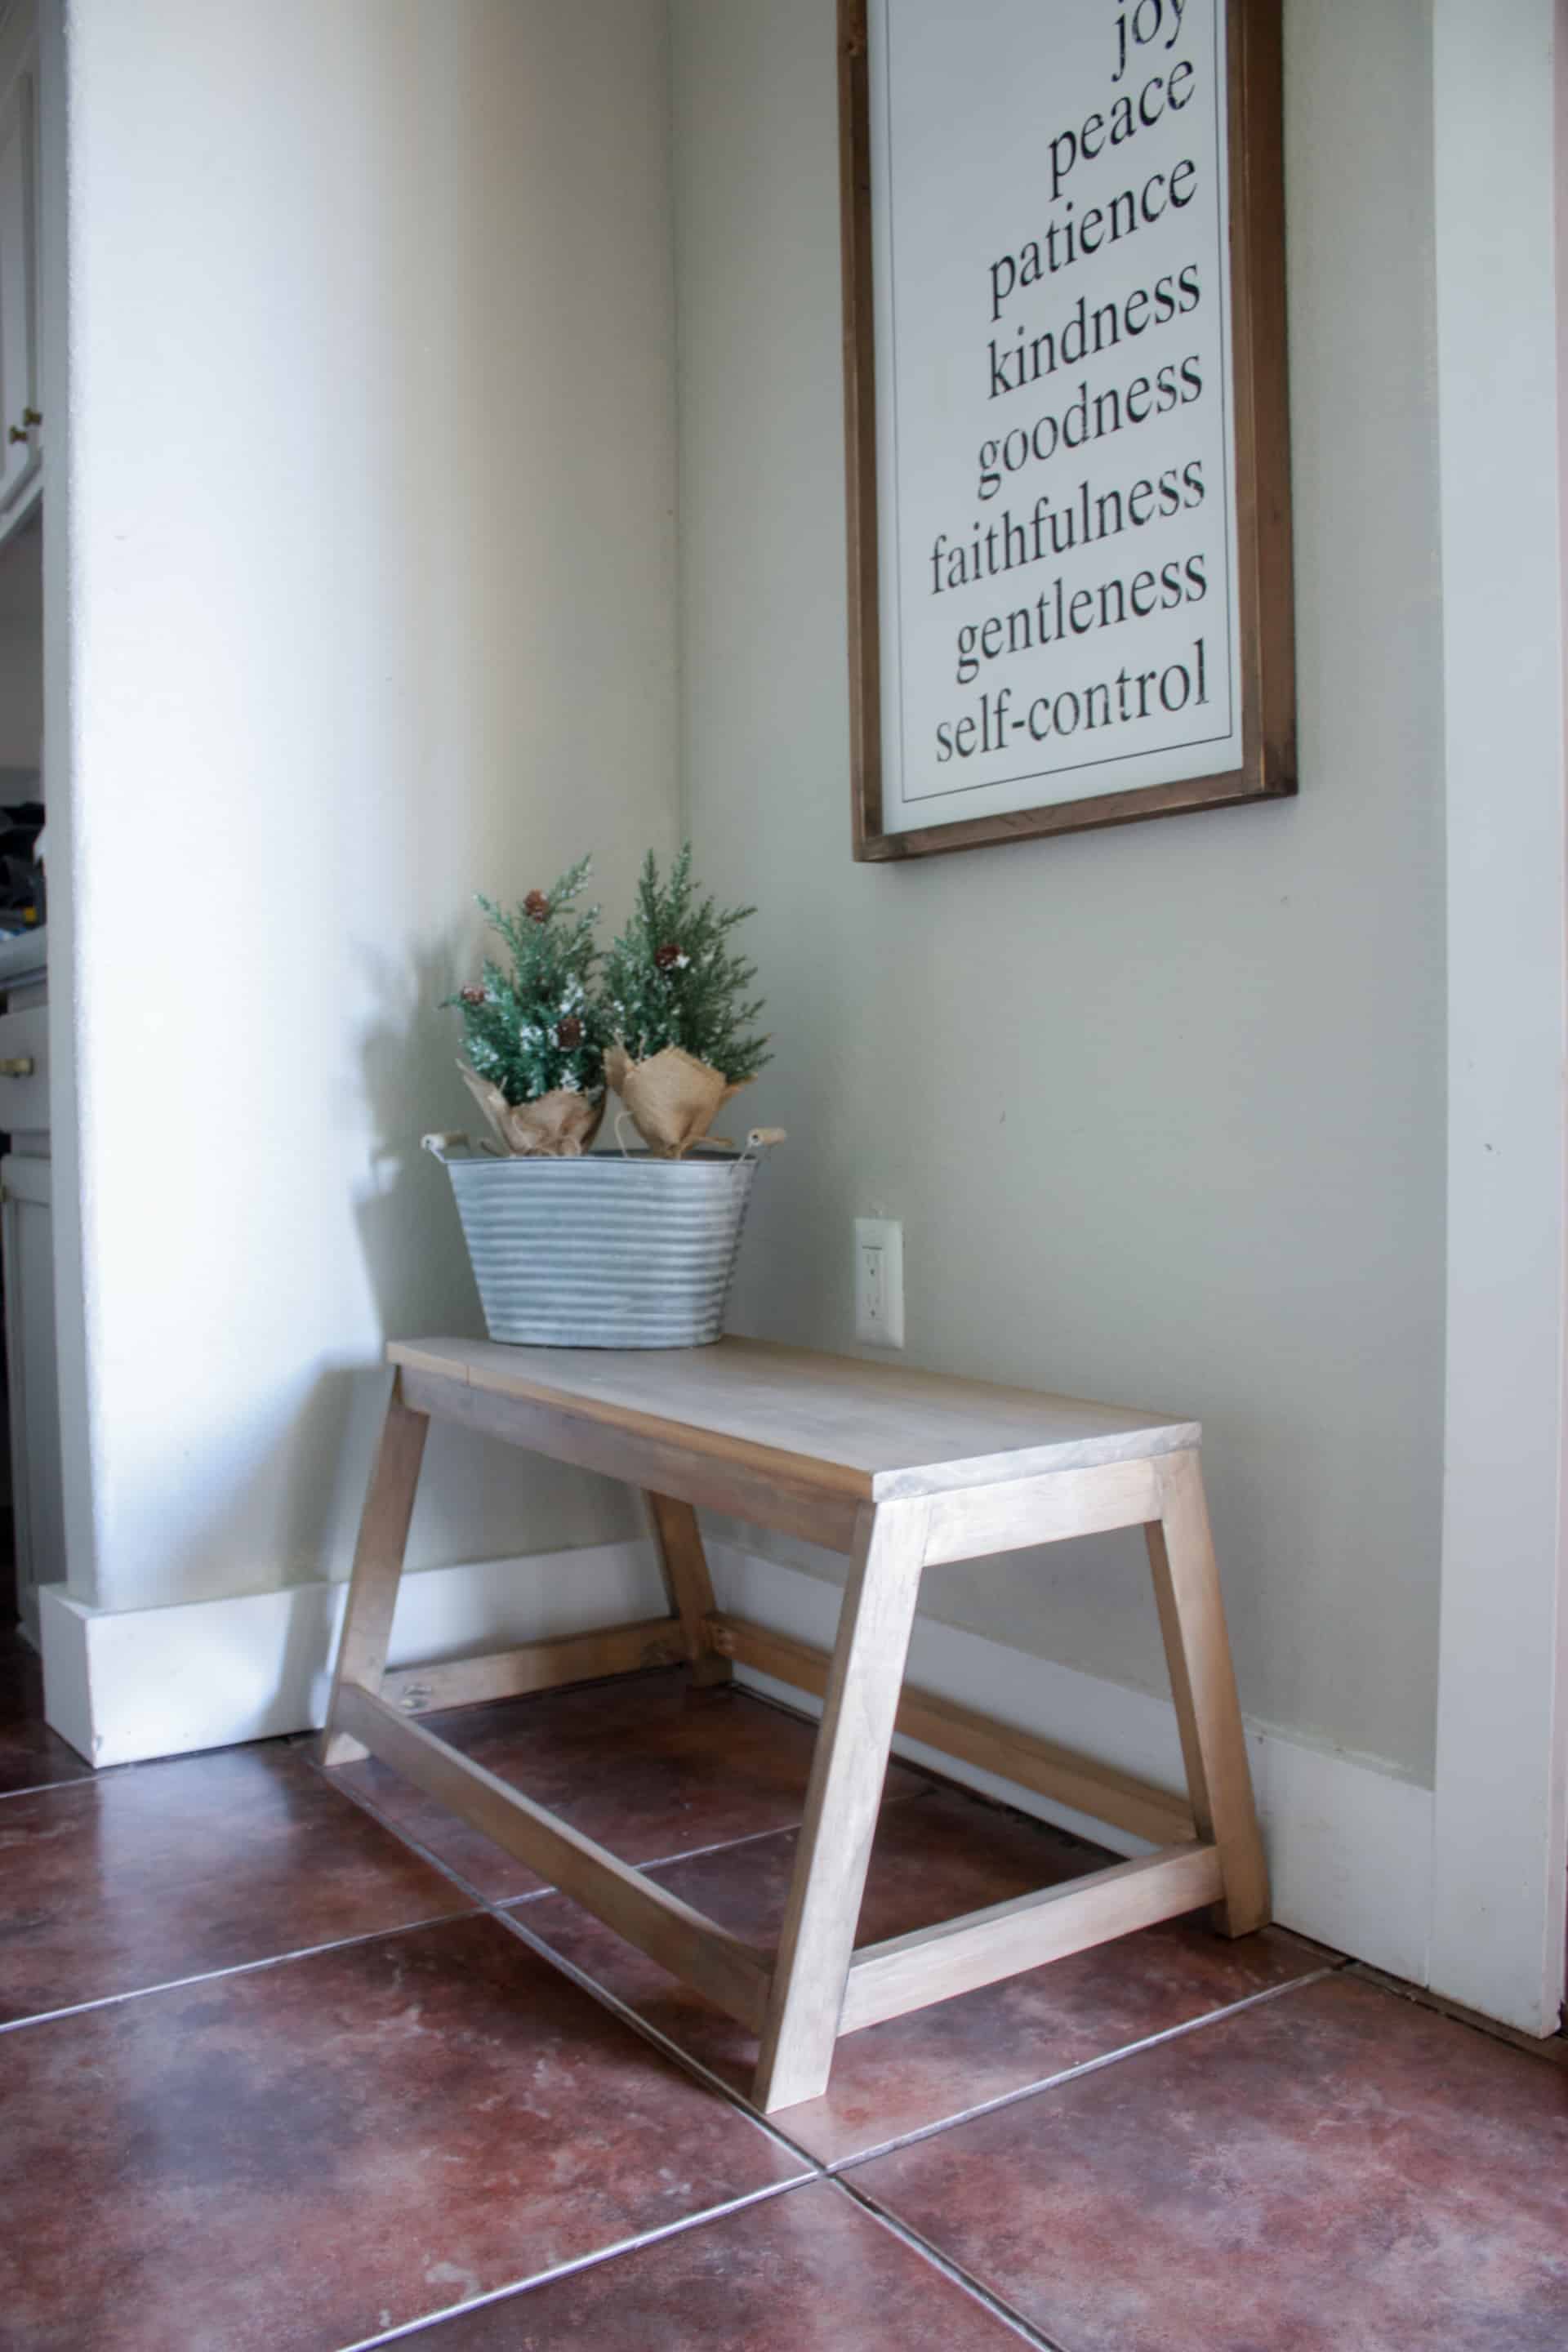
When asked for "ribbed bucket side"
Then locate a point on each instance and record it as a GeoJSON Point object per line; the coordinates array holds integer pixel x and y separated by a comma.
{"type": "Point", "coordinates": [603, 1252]}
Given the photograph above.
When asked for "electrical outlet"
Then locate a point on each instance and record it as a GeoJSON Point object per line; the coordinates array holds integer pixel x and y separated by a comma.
{"type": "Point", "coordinates": [880, 1281]}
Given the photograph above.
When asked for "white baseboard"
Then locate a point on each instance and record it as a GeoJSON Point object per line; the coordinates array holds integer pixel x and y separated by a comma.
{"type": "Point", "coordinates": [1349, 1842]}
{"type": "Point", "coordinates": [123, 1686]}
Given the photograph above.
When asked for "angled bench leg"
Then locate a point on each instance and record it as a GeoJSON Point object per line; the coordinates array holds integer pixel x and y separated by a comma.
{"type": "Point", "coordinates": [1203, 1683]}
{"type": "Point", "coordinates": [812, 1966]}
{"type": "Point", "coordinates": [687, 1583]}
{"type": "Point", "coordinates": [378, 1565]}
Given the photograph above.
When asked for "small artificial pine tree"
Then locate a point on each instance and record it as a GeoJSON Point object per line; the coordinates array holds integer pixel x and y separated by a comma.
{"type": "Point", "coordinates": [670, 979]}
{"type": "Point", "coordinates": [538, 1027]}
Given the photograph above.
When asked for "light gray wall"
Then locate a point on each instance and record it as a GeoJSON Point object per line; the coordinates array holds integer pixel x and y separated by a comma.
{"type": "Point", "coordinates": [1163, 1108]}
{"type": "Point", "coordinates": [370, 465]}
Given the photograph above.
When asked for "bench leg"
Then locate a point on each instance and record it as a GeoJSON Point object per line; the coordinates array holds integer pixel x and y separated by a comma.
{"type": "Point", "coordinates": [812, 1966]}
{"type": "Point", "coordinates": [378, 1565]}
{"type": "Point", "coordinates": [687, 1583]}
{"type": "Point", "coordinates": [1203, 1683]}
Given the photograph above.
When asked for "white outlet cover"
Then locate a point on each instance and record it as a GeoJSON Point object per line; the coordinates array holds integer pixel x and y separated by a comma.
{"type": "Point", "coordinates": [880, 1281]}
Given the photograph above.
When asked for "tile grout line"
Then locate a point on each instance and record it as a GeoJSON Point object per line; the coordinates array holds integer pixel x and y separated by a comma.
{"type": "Point", "coordinates": [502, 1912]}
{"type": "Point", "coordinates": [832, 2175]}
{"type": "Point", "coordinates": [538, 1894]}
{"type": "Point", "coordinates": [92, 1774]}
{"type": "Point", "coordinates": [515, 2289]}
{"type": "Point", "coordinates": [828, 2169]}
{"type": "Point", "coordinates": [475, 1903]}
{"type": "Point", "coordinates": [696, 1854]}
{"type": "Point", "coordinates": [86, 1779]}
{"type": "Point", "coordinates": [481, 1905]}
{"type": "Point", "coordinates": [976, 2288]}
{"type": "Point", "coordinates": [661, 2042]}
{"type": "Point", "coordinates": [660, 1862]}
{"type": "Point", "coordinates": [841, 2165]}
{"type": "Point", "coordinates": [406, 1839]}
{"type": "Point", "coordinates": [1552, 2048]}
{"type": "Point", "coordinates": [235, 1968]}
{"type": "Point", "coordinates": [504, 1916]}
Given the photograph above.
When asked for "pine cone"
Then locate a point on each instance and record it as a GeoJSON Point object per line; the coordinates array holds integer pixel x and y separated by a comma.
{"type": "Point", "coordinates": [668, 955]}
{"type": "Point", "coordinates": [536, 907]}
{"type": "Point", "coordinates": [473, 994]}
{"type": "Point", "coordinates": [569, 1032]}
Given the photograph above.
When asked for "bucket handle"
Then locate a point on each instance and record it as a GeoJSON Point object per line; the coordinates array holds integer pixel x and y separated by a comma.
{"type": "Point", "coordinates": [760, 1140]}
{"type": "Point", "coordinates": [441, 1147]}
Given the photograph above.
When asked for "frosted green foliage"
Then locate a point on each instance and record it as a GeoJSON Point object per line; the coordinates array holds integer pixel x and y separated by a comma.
{"type": "Point", "coordinates": [670, 979]}
{"type": "Point", "coordinates": [538, 1026]}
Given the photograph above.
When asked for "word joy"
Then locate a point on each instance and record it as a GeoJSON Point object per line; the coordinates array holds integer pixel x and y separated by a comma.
{"type": "Point", "coordinates": [1137, 28]}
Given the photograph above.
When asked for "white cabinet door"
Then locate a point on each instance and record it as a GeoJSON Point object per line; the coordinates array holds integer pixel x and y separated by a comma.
{"type": "Point", "coordinates": [19, 454]}
{"type": "Point", "coordinates": [26, 1230]}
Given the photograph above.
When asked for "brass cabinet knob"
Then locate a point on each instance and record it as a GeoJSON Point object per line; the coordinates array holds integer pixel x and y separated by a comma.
{"type": "Point", "coordinates": [19, 1066]}
{"type": "Point", "coordinates": [32, 416]}
{"type": "Point", "coordinates": [18, 432]}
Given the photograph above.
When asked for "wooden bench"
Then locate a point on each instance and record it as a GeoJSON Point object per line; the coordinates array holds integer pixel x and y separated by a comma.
{"type": "Point", "coordinates": [900, 1470]}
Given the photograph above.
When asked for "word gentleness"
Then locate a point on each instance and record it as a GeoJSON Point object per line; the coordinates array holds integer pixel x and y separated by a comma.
{"type": "Point", "coordinates": [1058, 614]}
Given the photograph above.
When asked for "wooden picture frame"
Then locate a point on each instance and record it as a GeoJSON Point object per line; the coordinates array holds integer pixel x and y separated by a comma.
{"type": "Point", "coordinates": [1263, 590]}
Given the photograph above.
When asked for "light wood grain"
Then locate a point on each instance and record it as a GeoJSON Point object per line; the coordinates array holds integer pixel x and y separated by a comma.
{"type": "Point", "coordinates": [696, 1949]}
{"type": "Point", "coordinates": [688, 1583]}
{"type": "Point", "coordinates": [378, 1566]}
{"type": "Point", "coordinates": [536, 1666]}
{"type": "Point", "coordinates": [1016, 1512]}
{"type": "Point", "coordinates": [993, 1468]}
{"type": "Point", "coordinates": [842, 1799]}
{"type": "Point", "coordinates": [819, 1425]}
{"type": "Point", "coordinates": [768, 1500]}
{"type": "Point", "coordinates": [1098, 1790]}
{"type": "Point", "coordinates": [1203, 1685]}
{"type": "Point", "coordinates": [936, 1963]}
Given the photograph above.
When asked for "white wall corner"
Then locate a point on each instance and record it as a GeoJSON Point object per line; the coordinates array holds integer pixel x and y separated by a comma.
{"type": "Point", "coordinates": [1500, 1824]}
{"type": "Point", "coordinates": [126, 1685]}
{"type": "Point", "coordinates": [1349, 1841]}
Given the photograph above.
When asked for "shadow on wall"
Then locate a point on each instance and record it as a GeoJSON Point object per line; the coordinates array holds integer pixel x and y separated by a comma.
{"type": "Point", "coordinates": [408, 1058]}
{"type": "Point", "coordinates": [282, 1493]}
{"type": "Point", "coordinates": [504, 1502]}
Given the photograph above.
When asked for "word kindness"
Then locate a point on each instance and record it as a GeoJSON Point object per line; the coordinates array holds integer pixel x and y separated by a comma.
{"type": "Point", "coordinates": [1087, 334]}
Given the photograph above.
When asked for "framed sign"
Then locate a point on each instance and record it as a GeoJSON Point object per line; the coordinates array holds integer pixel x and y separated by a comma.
{"type": "Point", "coordinates": [1067, 437]}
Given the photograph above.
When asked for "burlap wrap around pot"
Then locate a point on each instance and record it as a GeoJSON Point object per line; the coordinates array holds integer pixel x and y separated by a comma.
{"type": "Point", "coordinates": [556, 1125]}
{"type": "Point", "coordinates": [672, 1097]}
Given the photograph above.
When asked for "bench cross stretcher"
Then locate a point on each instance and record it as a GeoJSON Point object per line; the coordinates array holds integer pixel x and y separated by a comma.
{"type": "Point", "coordinates": [902, 1471]}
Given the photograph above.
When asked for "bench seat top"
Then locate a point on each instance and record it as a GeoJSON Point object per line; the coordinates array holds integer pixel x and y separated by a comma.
{"type": "Point", "coordinates": [875, 1432]}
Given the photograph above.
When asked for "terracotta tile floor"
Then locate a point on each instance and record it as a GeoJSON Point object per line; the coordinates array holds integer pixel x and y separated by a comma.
{"type": "Point", "coordinates": [270, 2078]}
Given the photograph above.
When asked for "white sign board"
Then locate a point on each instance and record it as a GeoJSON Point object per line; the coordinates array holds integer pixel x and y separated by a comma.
{"type": "Point", "coordinates": [1058, 606]}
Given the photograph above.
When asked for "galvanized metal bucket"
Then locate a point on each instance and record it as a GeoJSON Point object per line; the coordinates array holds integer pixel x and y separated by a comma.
{"type": "Point", "coordinates": [613, 1250]}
